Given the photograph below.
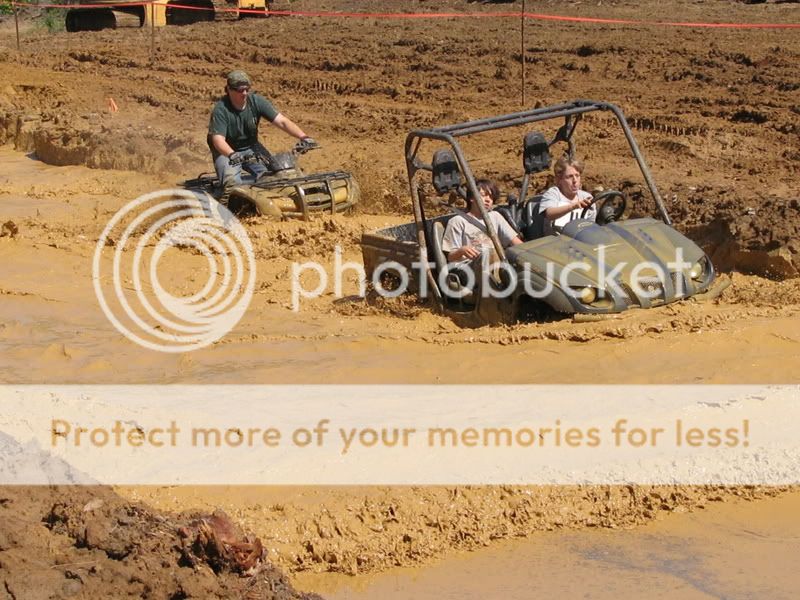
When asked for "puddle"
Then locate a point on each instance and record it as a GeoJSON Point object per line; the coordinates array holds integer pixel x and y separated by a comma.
{"type": "Point", "coordinates": [731, 550]}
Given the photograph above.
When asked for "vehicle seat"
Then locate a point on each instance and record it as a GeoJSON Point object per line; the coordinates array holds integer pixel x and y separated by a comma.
{"type": "Point", "coordinates": [512, 214]}
{"type": "Point", "coordinates": [535, 153]}
{"type": "Point", "coordinates": [533, 220]}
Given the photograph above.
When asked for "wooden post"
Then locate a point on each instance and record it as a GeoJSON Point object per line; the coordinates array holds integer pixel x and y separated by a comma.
{"type": "Point", "coordinates": [16, 25]}
{"type": "Point", "coordinates": [522, 49]}
{"type": "Point", "coordinates": [152, 33]}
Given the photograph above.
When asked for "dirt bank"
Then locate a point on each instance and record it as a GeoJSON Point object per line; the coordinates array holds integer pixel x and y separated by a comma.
{"type": "Point", "coordinates": [86, 542]}
{"type": "Point", "coordinates": [361, 530]}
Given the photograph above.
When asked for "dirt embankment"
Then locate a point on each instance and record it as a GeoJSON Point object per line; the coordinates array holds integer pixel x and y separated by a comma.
{"type": "Point", "coordinates": [86, 542]}
{"type": "Point", "coordinates": [361, 530]}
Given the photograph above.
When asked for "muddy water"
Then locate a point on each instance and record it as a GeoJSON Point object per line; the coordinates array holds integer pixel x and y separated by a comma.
{"type": "Point", "coordinates": [54, 330]}
{"type": "Point", "coordinates": [732, 550]}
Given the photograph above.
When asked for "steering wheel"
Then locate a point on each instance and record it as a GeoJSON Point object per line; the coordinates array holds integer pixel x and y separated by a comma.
{"type": "Point", "coordinates": [611, 206]}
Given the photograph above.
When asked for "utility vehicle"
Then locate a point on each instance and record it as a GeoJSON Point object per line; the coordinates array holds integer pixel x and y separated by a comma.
{"type": "Point", "coordinates": [604, 266]}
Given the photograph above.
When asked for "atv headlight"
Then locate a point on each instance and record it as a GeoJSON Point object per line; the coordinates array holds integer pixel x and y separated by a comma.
{"type": "Point", "coordinates": [285, 204]}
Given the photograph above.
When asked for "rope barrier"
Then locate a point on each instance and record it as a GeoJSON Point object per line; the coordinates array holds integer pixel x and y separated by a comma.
{"type": "Point", "coordinates": [71, 6]}
{"type": "Point", "coordinates": [431, 15]}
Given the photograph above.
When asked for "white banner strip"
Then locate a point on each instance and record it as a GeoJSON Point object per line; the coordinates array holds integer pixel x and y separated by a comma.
{"type": "Point", "coordinates": [399, 435]}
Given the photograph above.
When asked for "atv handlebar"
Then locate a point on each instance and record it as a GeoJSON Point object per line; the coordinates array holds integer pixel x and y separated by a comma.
{"type": "Point", "coordinates": [305, 145]}
{"type": "Point", "coordinates": [242, 156]}
{"type": "Point", "coordinates": [273, 162]}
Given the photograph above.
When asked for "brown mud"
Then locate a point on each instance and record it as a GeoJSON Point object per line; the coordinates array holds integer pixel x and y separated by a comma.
{"type": "Point", "coordinates": [86, 542]}
{"type": "Point", "coordinates": [734, 550]}
{"type": "Point", "coordinates": [714, 110]}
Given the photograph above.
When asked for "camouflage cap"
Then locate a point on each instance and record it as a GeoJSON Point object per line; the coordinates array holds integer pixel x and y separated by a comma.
{"type": "Point", "coordinates": [238, 79]}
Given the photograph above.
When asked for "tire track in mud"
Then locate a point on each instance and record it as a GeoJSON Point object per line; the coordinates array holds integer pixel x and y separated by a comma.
{"type": "Point", "coordinates": [689, 318]}
{"type": "Point", "coordinates": [367, 530]}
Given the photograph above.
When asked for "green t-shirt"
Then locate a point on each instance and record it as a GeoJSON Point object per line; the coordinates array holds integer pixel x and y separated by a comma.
{"type": "Point", "coordinates": [240, 127]}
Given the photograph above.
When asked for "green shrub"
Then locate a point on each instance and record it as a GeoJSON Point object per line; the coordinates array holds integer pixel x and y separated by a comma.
{"type": "Point", "coordinates": [52, 19]}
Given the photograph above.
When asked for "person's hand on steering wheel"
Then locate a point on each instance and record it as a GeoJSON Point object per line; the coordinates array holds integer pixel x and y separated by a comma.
{"type": "Point", "coordinates": [583, 203]}
{"type": "Point", "coordinates": [612, 204]}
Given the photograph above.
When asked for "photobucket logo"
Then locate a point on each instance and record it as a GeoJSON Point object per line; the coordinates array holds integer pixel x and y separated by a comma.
{"type": "Point", "coordinates": [582, 280]}
{"type": "Point", "coordinates": [142, 237]}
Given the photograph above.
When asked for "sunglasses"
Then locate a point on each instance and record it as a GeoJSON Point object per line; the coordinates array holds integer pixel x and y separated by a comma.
{"type": "Point", "coordinates": [242, 89]}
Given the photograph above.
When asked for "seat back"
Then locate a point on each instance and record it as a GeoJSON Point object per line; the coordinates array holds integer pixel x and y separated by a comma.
{"type": "Point", "coordinates": [535, 153]}
{"type": "Point", "coordinates": [512, 214]}
{"type": "Point", "coordinates": [533, 219]}
{"type": "Point", "coordinates": [437, 237]}
{"type": "Point", "coordinates": [445, 171]}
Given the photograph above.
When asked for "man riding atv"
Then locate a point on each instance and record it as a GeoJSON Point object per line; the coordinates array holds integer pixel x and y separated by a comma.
{"type": "Point", "coordinates": [233, 130]}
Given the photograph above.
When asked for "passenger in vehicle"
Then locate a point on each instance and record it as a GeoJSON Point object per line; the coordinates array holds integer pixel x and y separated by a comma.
{"type": "Point", "coordinates": [566, 200]}
{"type": "Point", "coordinates": [465, 237]}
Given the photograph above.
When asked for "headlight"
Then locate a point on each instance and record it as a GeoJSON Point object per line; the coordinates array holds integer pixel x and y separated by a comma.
{"type": "Point", "coordinates": [285, 203]}
{"type": "Point", "coordinates": [696, 272]}
{"type": "Point", "coordinates": [587, 294]}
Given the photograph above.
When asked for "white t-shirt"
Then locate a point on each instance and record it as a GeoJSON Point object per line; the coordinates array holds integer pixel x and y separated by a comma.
{"type": "Point", "coordinates": [554, 198]}
{"type": "Point", "coordinates": [462, 231]}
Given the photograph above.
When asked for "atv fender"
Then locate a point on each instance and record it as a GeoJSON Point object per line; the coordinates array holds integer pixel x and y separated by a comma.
{"type": "Point", "coordinates": [264, 205]}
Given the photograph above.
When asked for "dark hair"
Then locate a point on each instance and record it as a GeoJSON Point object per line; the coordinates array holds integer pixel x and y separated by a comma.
{"type": "Point", "coordinates": [486, 185]}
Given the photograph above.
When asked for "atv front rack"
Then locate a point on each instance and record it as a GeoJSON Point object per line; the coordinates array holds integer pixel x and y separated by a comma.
{"type": "Point", "coordinates": [312, 199]}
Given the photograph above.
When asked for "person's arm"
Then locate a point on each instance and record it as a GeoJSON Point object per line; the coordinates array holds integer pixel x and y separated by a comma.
{"type": "Point", "coordinates": [217, 130]}
{"type": "Point", "coordinates": [554, 212]}
{"type": "Point", "coordinates": [462, 253]}
{"type": "Point", "coordinates": [508, 236]}
{"type": "Point", "coordinates": [221, 145]}
{"type": "Point", "coordinates": [453, 240]}
{"type": "Point", "coordinates": [286, 125]}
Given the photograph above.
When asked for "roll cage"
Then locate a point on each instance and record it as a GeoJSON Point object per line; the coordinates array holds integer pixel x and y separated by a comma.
{"type": "Point", "coordinates": [571, 112]}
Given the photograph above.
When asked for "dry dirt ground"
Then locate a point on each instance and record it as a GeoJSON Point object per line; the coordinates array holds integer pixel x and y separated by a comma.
{"type": "Point", "coordinates": [716, 112]}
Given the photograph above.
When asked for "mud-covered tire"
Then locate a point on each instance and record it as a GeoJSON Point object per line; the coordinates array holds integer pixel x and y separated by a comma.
{"type": "Point", "coordinates": [90, 19]}
{"type": "Point", "coordinates": [354, 196]}
{"type": "Point", "coordinates": [186, 16]}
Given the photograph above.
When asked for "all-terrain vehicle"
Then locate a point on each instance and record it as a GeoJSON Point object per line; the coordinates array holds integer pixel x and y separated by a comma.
{"type": "Point", "coordinates": [603, 266]}
{"type": "Point", "coordinates": [283, 190]}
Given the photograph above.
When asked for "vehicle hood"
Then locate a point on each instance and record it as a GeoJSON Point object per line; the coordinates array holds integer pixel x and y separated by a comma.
{"type": "Point", "coordinates": [634, 253]}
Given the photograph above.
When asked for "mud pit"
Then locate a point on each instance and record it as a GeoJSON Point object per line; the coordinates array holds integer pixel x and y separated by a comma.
{"type": "Point", "coordinates": [716, 114]}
